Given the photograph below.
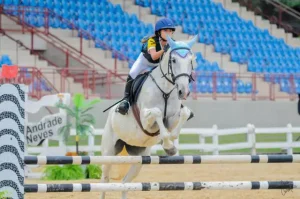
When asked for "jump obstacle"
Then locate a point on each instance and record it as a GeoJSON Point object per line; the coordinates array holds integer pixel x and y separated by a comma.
{"type": "Point", "coordinates": [12, 160]}
{"type": "Point", "coordinates": [162, 186]}
{"type": "Point", "coordinates": [196, 159]}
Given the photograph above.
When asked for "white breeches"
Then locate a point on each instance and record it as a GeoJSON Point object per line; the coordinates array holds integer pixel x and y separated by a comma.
{"type": "Point", "coordinates": [140, 65]}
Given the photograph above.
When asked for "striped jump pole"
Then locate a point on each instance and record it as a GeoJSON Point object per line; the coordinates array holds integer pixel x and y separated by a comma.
{"type": "Point", "coordinates": [162, 186]}
{"type": "Point", "coordinates": [196, 159]}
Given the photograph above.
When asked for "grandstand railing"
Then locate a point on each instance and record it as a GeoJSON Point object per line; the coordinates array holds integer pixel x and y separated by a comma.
{"type": "Point", "coordinates": [276, 19]}
{"type": "Point", "coordinates": [97, 74]}
{"type": "Point", "coordinates": [53, 80]}
{"type": "Point", "coordinates": [44, 33]}
{"type": "Point", "coordinates": [35, 79]}
{"type": "Point", "coordinates": [261, 86]}
{"type": "Point", "coordinates": [45, 81]}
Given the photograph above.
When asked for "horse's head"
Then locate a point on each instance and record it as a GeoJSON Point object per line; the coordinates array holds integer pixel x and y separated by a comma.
{"type": "Point", "coordinates": [180, 64]}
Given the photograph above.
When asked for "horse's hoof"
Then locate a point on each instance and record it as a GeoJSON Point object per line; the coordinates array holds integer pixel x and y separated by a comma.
{"type": "Point", "coordinates": [172, 151]}
{"type": "Point", "coordinates": [191, 116]}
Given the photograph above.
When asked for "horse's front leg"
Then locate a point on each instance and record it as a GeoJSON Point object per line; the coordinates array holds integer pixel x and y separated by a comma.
{"type": "Point", "coordinates": [183, 116]}
{"type": "Point", "coordinates": [155, 115]}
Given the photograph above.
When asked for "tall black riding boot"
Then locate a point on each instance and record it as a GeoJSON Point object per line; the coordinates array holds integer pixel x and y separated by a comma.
{"type": "Point", "coordinates": [124, 105]}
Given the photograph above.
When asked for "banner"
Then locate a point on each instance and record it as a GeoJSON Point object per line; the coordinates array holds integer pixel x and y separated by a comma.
{"type": "Point", "coordinates": [12, 119]}
{"type": "Point", "coordinates": [9, 71]}
{"type": "Point", "coordinates": [47, 128]}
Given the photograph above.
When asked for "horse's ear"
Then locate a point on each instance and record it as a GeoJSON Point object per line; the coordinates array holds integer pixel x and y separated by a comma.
{"type": "Point", "coordinates": [192, 41]}
{"type": "Point", "coordinates": [171, 42]}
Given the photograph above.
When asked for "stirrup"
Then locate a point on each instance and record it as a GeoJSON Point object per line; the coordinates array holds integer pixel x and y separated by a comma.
{"type": "Point", "coordinates": [125, 111]}
{"type": "Point", "coordinates": [126, 101]}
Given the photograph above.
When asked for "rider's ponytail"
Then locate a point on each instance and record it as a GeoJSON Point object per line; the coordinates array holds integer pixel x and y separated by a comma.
{"type": "Point", "coordinates": [145, 39]}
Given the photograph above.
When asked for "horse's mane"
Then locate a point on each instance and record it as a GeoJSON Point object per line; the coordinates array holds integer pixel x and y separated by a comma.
{"type": "Point", "coordinates": [166, 56]}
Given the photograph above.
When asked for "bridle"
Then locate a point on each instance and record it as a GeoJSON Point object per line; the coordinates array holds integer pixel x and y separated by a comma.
{"type": "Point", "coordinates": [172, 81]}
{"type": "Point", "coordinates": [170, 68]}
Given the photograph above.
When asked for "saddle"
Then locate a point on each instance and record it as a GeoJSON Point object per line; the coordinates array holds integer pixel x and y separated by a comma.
{"type": "Point", "coordinates": [135, 90]}
{"type": "Point", "coordinates": [137, 86]}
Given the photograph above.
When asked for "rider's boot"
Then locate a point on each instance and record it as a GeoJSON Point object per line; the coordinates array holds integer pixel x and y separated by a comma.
{"type": "Point", "coordinates": [124, 105]}
{"type": "Point", "coordinates": [191, 115]}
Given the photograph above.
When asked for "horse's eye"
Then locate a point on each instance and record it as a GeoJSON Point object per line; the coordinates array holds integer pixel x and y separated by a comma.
{"type": "Point", "coordinates": [174, 61]}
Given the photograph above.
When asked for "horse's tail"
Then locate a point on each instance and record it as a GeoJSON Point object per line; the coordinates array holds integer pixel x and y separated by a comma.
{"type": "Point", "coordinates": [118, 171]}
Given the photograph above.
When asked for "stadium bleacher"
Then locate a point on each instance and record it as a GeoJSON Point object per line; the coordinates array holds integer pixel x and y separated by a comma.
{"type": "Point", "coordinates": [230, 34]}
{"type": "Point", "coordinates": [225, 30]}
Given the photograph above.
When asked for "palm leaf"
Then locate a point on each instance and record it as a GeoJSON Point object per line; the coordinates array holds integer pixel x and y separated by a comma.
{"type": "Point", "coordinates": [69, 111]}
{"type": "Point", "coordinates": [64, 131]}
{"type": "Point", "coordinates": [91, 103]}
{"type": "Point", "coordinates": [86, 110]}
{"type": "Point", "coordinates": [78, 100]}
{"type": "Point", "coordinates": [88, 121]}
{"type": "Point", "coordinates": [84, 129]}
{"type": "Point", "coordinates": [87, 118]}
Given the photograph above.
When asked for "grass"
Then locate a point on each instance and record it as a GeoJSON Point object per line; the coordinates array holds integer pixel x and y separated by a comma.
{"type": "Point", "coordinates": [194, 139]}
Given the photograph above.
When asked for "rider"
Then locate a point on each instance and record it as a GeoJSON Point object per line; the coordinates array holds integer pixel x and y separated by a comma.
{"type": "Point", "coordinates": [152, 49]}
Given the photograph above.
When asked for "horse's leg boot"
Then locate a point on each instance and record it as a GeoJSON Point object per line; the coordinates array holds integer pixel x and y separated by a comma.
{"type": "Point", "coordinates": [124, 105]}
{"type": "Point", "coordinates": [191, 115]}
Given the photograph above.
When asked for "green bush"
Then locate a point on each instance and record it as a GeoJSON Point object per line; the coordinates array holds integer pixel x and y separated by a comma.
{"type": "Point", "coordinates": [65, 172]}
{"type": "Point", "coordinates": [93, 171]}
{"type": "Point", "coordinates": [4, 194]}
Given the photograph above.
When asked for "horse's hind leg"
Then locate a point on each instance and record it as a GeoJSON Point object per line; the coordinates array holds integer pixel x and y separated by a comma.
{"type": "Point", "coordinates": [107, 149]}
{"type": "Point", "coordinates": [134, 171]}
{"type": "Point", "coordinates": [105, 177]}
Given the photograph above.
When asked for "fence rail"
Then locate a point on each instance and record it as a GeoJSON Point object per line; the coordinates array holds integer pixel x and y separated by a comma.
{"type": "Point", "coordinates": [215, 147]}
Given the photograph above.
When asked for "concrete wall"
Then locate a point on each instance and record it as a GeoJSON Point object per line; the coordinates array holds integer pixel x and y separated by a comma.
{"type": "Point", "coordinates": [230, 114]}
{"type": "Point", "coordinates": [59, 58]}
{"type": "Point", "coordinates": [226, 114]}
{"type": "Point", "coordinates": [38, 43]}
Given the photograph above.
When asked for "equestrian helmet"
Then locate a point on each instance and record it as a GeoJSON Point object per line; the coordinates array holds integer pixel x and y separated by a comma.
{"type": "Point", "coordinates": [164, 23]}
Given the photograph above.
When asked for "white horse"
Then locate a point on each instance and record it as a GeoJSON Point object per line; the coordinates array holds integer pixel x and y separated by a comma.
{"type": "Point", "coordinates": [161, 115]}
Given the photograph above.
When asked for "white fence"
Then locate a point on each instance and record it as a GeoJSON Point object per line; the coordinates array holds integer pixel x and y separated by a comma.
{"type": "Point", "coordinates": [215, 147]}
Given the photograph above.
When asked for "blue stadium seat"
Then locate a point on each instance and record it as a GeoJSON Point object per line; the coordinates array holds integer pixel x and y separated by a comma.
{"type": "Point", "coordinates": [113, 28]}
{"type": "Point", "coordinates": [240, 86]}
{"type": "Point", "coordinates": [244, 34]}
{"type": "Point", "coordinates": [5, 59]}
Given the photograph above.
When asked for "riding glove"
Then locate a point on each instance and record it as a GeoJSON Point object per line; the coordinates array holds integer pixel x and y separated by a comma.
{"type": "Point", "coordinates": [166, 47]}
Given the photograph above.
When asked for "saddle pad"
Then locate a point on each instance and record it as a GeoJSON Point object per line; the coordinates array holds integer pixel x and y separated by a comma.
{"type": "Point", "coordinates": [136, 87]}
